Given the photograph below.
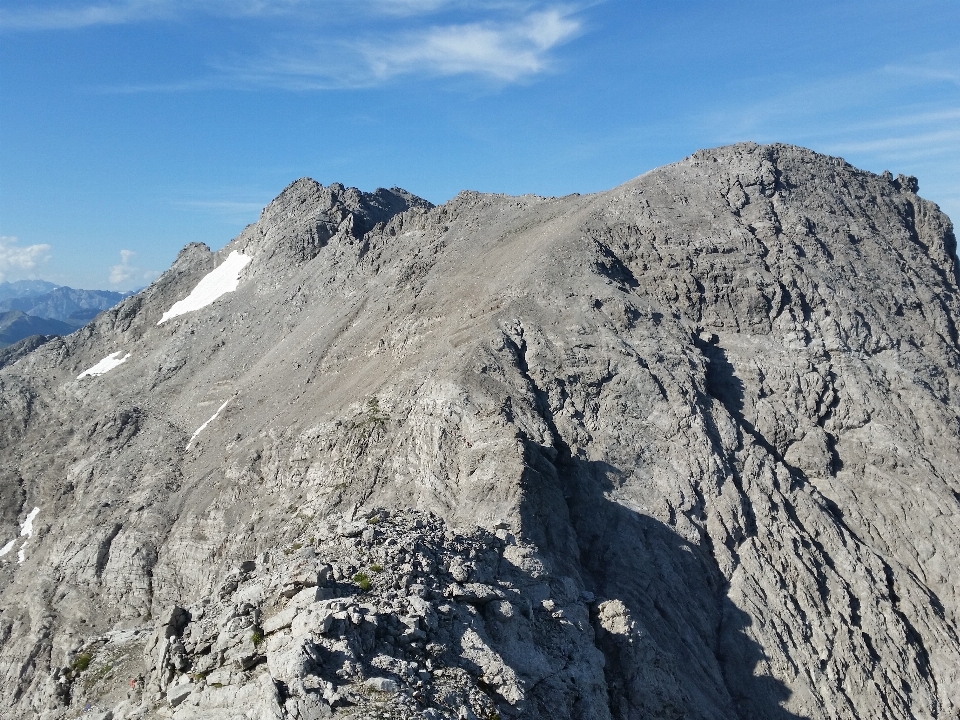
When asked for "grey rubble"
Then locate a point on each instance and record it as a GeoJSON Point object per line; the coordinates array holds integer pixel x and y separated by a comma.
{"type": "Point", "coordinates": [699, 432]}
{"type": "Point", "coordinates": [362, 618]}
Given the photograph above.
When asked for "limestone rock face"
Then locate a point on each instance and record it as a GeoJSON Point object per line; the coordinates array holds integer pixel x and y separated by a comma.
{"type": "Point", "coordinates": [685, 449]}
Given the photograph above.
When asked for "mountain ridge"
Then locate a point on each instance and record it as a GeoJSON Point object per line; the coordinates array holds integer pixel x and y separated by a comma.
{"type": "Point", "coordinates": [64, 304]}
{"type": "Point", "coordinates": [23, 288]}
{"type": "Point", "coordinates": [690, 442]}
{"type": "Point", "coordinates": [49, 309]}
{"type": "Point", "coordinates": [16, 325]}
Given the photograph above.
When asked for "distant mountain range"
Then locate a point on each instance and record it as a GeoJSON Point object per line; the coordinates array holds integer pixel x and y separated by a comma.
{"type": "Point", "coordinates": [25, 288]}
{"type": "Point", "coordinates": [16, 325]}
{"type": "Point", "coordinates": [38, 307]}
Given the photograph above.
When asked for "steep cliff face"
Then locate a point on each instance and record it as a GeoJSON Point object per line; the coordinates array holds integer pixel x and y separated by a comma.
{"type": "Point", "coordinates": [686, 448]}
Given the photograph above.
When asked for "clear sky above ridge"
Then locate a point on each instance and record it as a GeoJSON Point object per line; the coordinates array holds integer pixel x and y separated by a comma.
{"type": "Point", "coordinates": [129, 128]}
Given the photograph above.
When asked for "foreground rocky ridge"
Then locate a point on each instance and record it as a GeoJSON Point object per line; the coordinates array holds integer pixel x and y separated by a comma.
{"type": "Point", "coordinates": [698, 434]}
{"type": "Point", "coordinates": [391, 616]}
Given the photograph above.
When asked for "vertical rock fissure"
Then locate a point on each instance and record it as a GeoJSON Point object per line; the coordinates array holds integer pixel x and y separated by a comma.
{"type": "Point", "coordinates": [103, 551]}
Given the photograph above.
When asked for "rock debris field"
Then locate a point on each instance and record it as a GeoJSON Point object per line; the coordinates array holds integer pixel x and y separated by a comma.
{"type": "Point", "coordinates": [381, 617]}
{"type": "Point", "coordinates": [687, 448]}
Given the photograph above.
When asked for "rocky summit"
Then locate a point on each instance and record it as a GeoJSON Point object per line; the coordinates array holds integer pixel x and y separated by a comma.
{"type": "Point", "coordinates": [688, 448]}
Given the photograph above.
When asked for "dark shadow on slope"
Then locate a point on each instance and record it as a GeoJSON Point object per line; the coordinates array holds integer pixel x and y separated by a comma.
{"type": "Point", "coordinates": [722, 380]}
{"type": "Point", "coordinates": [724, 385]}
{"type": "Point", "coordinates": [689, 655]}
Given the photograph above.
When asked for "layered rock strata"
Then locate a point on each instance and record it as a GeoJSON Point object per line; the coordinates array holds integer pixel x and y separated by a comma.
{"type": "Point", "coordinates": [686, 448]}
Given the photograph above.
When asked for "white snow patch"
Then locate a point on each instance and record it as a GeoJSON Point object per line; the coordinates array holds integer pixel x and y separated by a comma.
{"type": "Point", "coordinates": [222, 280]}
{"type": "Point", "coordinates": [26, 530]}
{"type": "Point", "coordinates": [104, 366]}
{"type": "Point", "coordinates": [8, 547]}
{"type": "Point", "coordinates": [200, 429]}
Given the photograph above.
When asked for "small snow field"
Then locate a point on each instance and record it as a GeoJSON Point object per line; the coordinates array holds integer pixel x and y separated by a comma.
{"type": "Point", "coordinates": [26, 530]}
{"type": "Point", "coordinates": [201, 428]}
{"type": "Point", "coordinates": [8, 547]}
{"type": "Point", "coordinates": [224, 279]}
{"type": "Point", "coordinates": [104, 366]}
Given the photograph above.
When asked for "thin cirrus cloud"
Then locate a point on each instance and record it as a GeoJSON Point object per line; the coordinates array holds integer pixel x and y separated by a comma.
{"type": "Point", "coordinates": [232, 211]}
{"type": "Point", "coordinates": [833, 112]}
{"type": "Point", "coordinates": [500, 40]}
{"type": "Point", "coordinates": [67, 15]}
{"type": "Point", "coordinates": [504, 51]}
{"type": "Point", "coordinates": [72, 15]}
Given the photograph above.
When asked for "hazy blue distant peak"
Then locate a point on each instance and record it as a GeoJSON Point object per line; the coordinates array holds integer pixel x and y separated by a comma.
{"type": "Point", "coordinates": [16, 325]}
{"type": "Point", "coordinates": [25, 288]}
{"type": "Point", "coordinates": [68, 305]}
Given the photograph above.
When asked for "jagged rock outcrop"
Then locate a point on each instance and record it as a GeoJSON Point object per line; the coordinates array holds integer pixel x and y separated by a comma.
{"type": "Point", "coordinates": [686, 448]}
{"type": "Point", "coordinates": [384, 615]}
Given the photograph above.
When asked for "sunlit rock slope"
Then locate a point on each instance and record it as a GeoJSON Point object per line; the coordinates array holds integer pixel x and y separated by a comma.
{"type": "Point", "coordinates": [688, 448]}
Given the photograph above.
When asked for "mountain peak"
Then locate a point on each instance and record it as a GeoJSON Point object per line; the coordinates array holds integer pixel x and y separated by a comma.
{"type": "Point", "coordinates": [306, 215]}
{"type": "Point", "coordinates": [683, 447]}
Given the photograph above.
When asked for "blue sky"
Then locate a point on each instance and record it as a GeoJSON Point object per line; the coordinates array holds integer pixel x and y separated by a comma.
{"type": "Point", "coordinates": [129, 128]}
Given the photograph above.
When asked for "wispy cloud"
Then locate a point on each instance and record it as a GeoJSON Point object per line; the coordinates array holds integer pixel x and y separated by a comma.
{"type": "Point", "coordinates": [914, 145]}
{"type": "Point", "coordinates": [67, 18]}
{"type": "Point", "coordinates": [904, 117]}
{"type": "Point", "coordinates": [68, 14]}
{"type": "Point", "coordinates": [306, 48]}
{"type": "Point", "coordinates": [73, 15]}
{"type": "Point", "coordinates": [918, 92]}
{"type": "Point", "coordinates": [503, 50]}
{"type": "Point", "coordinates": [19, 262]}
{"type": "Point", "coordinates": [926, 72]}
{"type": "Point", "coordinates": [126, 275]}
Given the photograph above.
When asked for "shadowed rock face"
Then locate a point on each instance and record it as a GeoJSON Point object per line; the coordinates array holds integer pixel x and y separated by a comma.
{"type": "Point", "coordinates": [683, 449]}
